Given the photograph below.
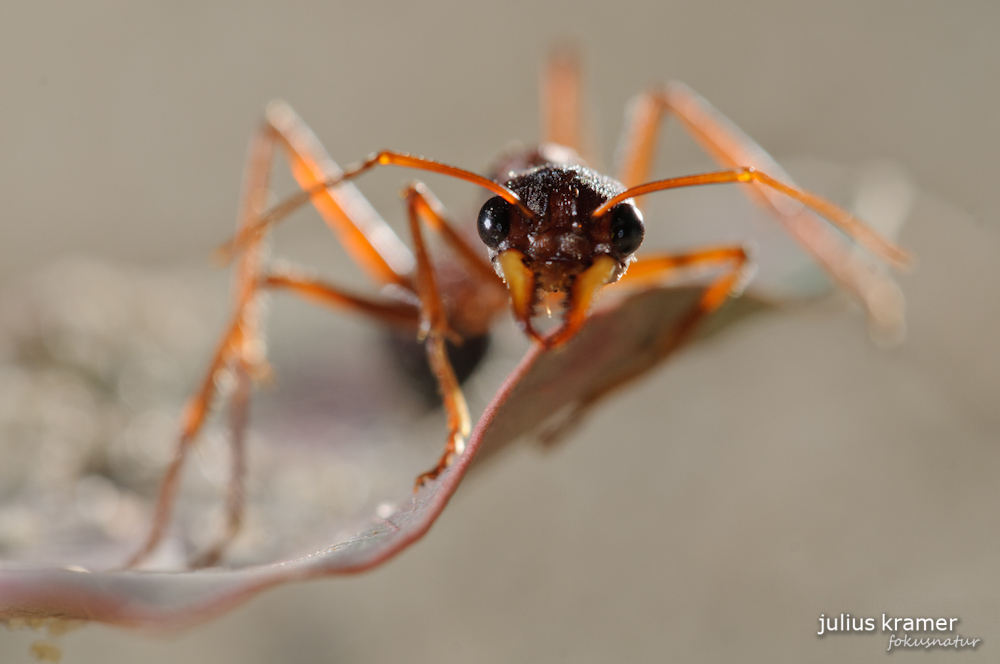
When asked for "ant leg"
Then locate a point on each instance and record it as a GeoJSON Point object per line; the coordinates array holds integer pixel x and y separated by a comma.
{"type": "Point", "coordinates": [660, 270]}
{"type": "Point", "coordinates": [239, 415]}
{"type": "Point", "coordinates": [240, 341]}
{"type": "Point", "coordinates": [431, 211]}
{"type": "Point", "coordinates": [369, 240]}
{"type": "Point", "coordinates": [397, 314]}
{"type": "Point", "coordinates": [432, 319]}
{"type": "Point", "coordinates": [730, 147]}
{"type": "Point", "coordinates": [560, 100]}
{"type": "Point", "coordinates": [435, 330]}
{"type": "Point", "coordinates": [435, 326]}
{"type": "Point", "coordinates": [391, 313]}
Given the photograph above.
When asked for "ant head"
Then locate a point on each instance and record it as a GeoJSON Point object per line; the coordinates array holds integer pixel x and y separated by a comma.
{"type": "Point", "coordinates": [563, 248]}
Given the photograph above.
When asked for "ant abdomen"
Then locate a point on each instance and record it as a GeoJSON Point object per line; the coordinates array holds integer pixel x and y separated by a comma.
{"type": "Point", "coordinates": [411, 359]}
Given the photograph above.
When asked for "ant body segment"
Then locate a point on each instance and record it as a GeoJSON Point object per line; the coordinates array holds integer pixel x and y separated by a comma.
{"type": "Point", "coordinates": [557, 233]}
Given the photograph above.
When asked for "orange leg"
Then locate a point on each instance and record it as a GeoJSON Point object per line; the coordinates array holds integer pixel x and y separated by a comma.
{"type": "Point", "coordinates": [239, 344]}
{"type": "Point", "coordinates": [435, 329]}
{"type": "Point", "coordinates": [239, 417]}
{"type": "Point", "coordinates": [561, 120]}
{"type": "Point", "coordinates": [230, 357]}
{"type": "Point", "coordinates": [397, 314]}
{"type": "Point", "coordinates": [662, 269]}
{"type": "Point", "coordinates": [369, 241]}
{"type": "Point", "coordinates": [431, 318]}
{"type": "Point", "coordinates": [429, 209]}
{"type": "Point", "coordinates": [730, 147]}
{"type": "Point", "coordinates": [373, 246]}
{"type": "Point", "coordinates": [389, 313]}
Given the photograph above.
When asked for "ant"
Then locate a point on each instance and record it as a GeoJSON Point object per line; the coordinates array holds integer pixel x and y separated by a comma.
{"type": "Point", "coordinates": [557, 233]}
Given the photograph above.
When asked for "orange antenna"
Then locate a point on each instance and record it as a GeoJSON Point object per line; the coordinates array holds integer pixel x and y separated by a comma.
{"type": "Point", "coordinates": [853, 227]}
{"type": "Point", "coordinates": [383, 158]}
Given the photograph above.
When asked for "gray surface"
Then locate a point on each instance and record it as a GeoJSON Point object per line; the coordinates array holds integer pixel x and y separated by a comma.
{"type": "Point", "coordinates": [789, 471]}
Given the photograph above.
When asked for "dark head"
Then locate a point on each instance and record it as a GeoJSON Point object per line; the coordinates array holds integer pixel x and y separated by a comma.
{"type": "Point", "coordinates": [563, 251]}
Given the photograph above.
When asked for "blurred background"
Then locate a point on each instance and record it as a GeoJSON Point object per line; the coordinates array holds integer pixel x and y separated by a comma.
{"type": "Point", "coordinates": [788, 470]}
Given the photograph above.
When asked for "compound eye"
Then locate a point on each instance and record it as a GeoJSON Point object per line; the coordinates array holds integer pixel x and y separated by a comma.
{"type": "Point", "coordinates": [494, 222]}
{"type": "Point", "coordinates": [627, 228]}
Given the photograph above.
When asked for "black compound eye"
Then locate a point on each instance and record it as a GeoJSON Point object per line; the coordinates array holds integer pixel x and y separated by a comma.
{"type": "Point", "coordinates": [627, 228]}
{"type": "Point", "coordinates": [494, 222]}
